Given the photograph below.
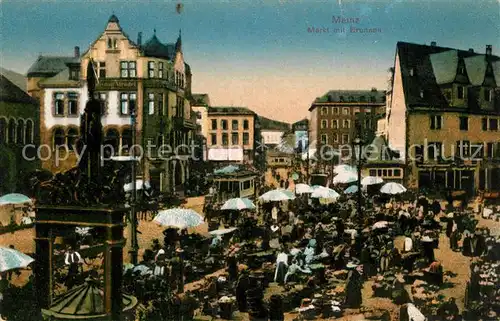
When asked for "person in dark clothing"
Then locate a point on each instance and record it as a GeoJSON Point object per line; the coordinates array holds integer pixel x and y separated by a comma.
{"type": "Point", "coordinates": [449, 310]}
{"type": "Point", "coordinates": [449, 227]}
{"type": "Point", "coordinates": [436, 207]}
{"type": "Point", "coordinates": [276, 312]}
{"type": "Point", "coordinates": [232, 267]}
{"type": "Point", "coordinates": [241, 291]}
{"type": "Point", "coordinates": [353, 289]}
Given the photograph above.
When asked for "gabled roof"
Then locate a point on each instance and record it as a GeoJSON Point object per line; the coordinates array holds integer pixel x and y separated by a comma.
{"type": "Point", "coordinates": [496, 71]}
{"type": "Point", "coordinates": [444, 65]}
{"type": "Point", "coordinates": [155, 48]}
{"type": "Point", "coordinates": [9, 92]}
{"type": "Point", "coordinates": [17, 79]}
{"type": "Point", "coordinates": [49, 66]}
{"type": "Point", "coordinates": [357, 96]}
{"type": "Point", "coordinates": [271, 124]}
{"type": "Point", "coordinates": [380, 151]}
{"type": "Point", "coordinates": [432, 66]}
{"type": "Point", "coordinates": [230, 110]}
{"type": "Point", "coordinates": [476, 69]}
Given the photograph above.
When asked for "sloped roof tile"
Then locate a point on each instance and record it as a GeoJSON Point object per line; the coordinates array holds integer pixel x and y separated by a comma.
{"type": "Point", "coordinates": [51, 65]}
{"type": "Point", "coordinates": [476, 69]}
{"type": "Point", "coordinates": [9, 92]}
{"type": "Point", "coordinates": [444, 65]}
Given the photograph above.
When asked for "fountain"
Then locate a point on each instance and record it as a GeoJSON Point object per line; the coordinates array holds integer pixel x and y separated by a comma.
{"type": "Point", "coordinates": [89, 195]}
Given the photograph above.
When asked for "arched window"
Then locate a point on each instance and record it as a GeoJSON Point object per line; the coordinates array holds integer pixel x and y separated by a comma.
{"type": "Point", "coordinates": [3, 130]}
{"type": "Point", "coordinates": [58, 138]}
{"type": "Point", "coordinates": [112, 139]}
{"type": "Point", "coordinates": [126, 139]}
{"type": "Point", "coordinates": [12, 131]}
{"type": "Point", "coordinates": [20, 131]}
{"type": "Point", "coordinates": [28, 133]}
{"type": "Point", "coordinates": [72, 138]}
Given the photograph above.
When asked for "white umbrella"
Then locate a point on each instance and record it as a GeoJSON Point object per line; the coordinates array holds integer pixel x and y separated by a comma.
{"type": "Point", "coordinates": [14, 198]}
{"type": "Point", "coordinates": [325, 192]}
{"type": "Point", "coordinates": [179, 217]}
{"type": "Point", "coordinates": [139, 184]}
{"type": "Point", "coordinates": [13, 259]}
{"type": "Point", "coordinates": [341, 169]}
{"type": "Point", "coordinates": [345, 178]}
{"type": "Point", "coordinates": [26, 220]}
{"type": "Point", "coordinates": [82, 230]}
{"type": "Point", "coordinates": [371, 180]}
{"type": "Point", "coordinates": [223, 231]}
{"type": "Point", "coordinates": [393, 188]}
{"type": "Point", "coordinates": [303, 189]}
{"type": "Point", "coordinates": [238, 204]}
{"type": "Point", "coordinates": [380, 224]}
{"type": "Point", "coordinates": [277, 195]}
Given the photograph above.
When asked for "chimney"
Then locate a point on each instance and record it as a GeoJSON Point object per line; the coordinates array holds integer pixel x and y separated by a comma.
{"type": "Point", "coordinates": [139, 39]}
{"type": "Point", "coordinates": [471, 50]}
{"type": "Point", "coordinates": [488, 50]}
{"type": "Point", "coordinates": [77, 52]}
{"type": "Point", "coordinates": [433, 44]}
{"type": "Point", "coordinates": [374, 89]}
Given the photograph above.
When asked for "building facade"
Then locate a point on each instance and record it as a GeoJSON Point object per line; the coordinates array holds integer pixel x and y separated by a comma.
{"type": "Point", "coordinates": [19, 136]}
{"type": "Point", "coordinates": [231, 134]}
{"type": "Point", "coordinates": [150, 78]}
{"type": "Point", "coordinates": [444, 115]}
{"type": "Point", "coordinates": [272, 131]}
{"type": "Point", "coordinates": [335, 115]}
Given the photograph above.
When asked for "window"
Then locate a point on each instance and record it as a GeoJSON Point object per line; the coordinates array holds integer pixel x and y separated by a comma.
{"type": "Point", "coordinates": [412, 72]}
{"type": "Point", "coordinates": [245, 124]}
{"type": "Point", "coordinates": [342, 99]}
{"type": "Point", "coordinates": [198, 115]}
{"type": "Point", "coordinates": [126, 139]}
{"type": "Point", "coordinates": [324, 139]}
{"type": "Point", "coordinates": [112, 138]}
{"type": "Point", "coordinates": [384, 172]}
{"type": "Point", "coordinates": [324, 111]}
{"type": "Point", "coordinates": [463, 148]}
{"type": "Point", "coordinates": [160, 70]}
{"type": "Point", "coordinates": [179, 112]}
{"type": "Point", "coordinates": [161, 110]}
{"type": "Point", "coordinates": [335, 110]}
{"type": "Point", "coordinates": [345, 111]}
{"type": "Point", "coordinates": [335, 138]}
{"type": "Point", "coordinates": [127, 103]}
{"type": "Point", "coordinates": [477, 151]}
{"type": "Point", "coordinates": [72, 137]}
{"type": "Point", "coordinates": [28, 133]}
{"type": "Point", "coordinates": [419, 153]}
{"type": "Point", "coordinates": [335, 123]}
{"type": "Point", "coordinates": [484, 123]}
{"type": "Point", "coordinates": [115, 44]}
{"type": "Point", "coordinates": [128, 69]}
{"type": "Point", "coordinates": [422, 93]}
{"type": "Point", "coordinates": [110, 43]}
{"type": "Point", "coordinates": [460, 92]}
{"type": "Point", "coordinates": [351, 99]}
{"type": "Point", "coordinates": [493, 124]}
{"type": "Point", "coordinates": [74, 74]}
{"type": "Point", "coordinates": [235, 139]}
{"type": "Point", "coordinates": [151, 69]}
{"type": "Point", "coordinates": [434, 150]}
{"type": "Point", "coordinates": [102, 69]}
{"type": "Point", "coordinates": [490, 150]}
{"type": "Point", "coordinates": [58, 138]}
{"type": "Point", "coordinates": [59, 104]}
{"type": "Point", "coordinates": [345, 139]}
{"type": "Point", "coordinates": [213, 139]}
{"type": "Point", "coordinates": [488, 94]}
{"type": "Point", "coordinates": [397, 173]}
{"type": "Point", "coordinates": [20, 131]}
{"type": "Point", "coordinates": [324, 124]}
{"type": "Point", "coordinates": [223, 124]}
{"type": "Point", "coordinates": [373, 172]}
{"type": "Point", "coordinates": [347, 123]}
{"type": "Point", "coordinates": [234, 124]}
{"type": "Point", "coordinates": [72, 104]}
{"type": "Point", "coordinates": [464, 123]}
{"type": "Point", "coordinates": [214, 123]}
{"type": "Point", "coordinates": [224, 139]}
{"type": "Point", "coordinates": [379, 172]}
{"type": "Point", "coordinates": [151, 103]}
{"type": "Point", "coordinates": [102, 98]}
{"type": "Point", "coordinates": [436, 121]}
{"type": "Point", "coordinates": [246, 139]}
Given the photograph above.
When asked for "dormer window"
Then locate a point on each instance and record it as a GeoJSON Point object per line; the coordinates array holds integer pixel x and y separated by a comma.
{"type": "Point", "coordinates": [460, 92]}
{"type": "Point", "coordinates": [461, 70]}
{"type": "Point", "coordinates": [74, 74]}
{"type": "Point", "coordinates": [341, 98]}
{"type": "Point", "coordinates": [351, 99]}
{"type": "Point", "coordinates": [488, 94]}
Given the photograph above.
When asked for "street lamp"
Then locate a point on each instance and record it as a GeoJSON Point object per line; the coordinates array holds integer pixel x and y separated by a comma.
{"type": "Point", "coordinates": [134, 247]}
{"type": "Point", "coordinates": [358, 143]}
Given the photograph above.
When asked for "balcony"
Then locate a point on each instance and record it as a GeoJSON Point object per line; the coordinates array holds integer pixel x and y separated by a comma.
{"type": "Point", "coordinates": [181, 123]}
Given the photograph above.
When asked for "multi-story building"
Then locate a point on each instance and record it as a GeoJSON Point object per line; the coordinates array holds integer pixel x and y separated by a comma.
{"type": "Point", "coordinates": [151, 78]}
{"type": "Point", "coordinates": [272, 131]}
{"type": "Point", "coordinates": [334, 116]}
{"type": "Point", "coordinates": [19, 136]}
{"type": "Point", "coordinates": [231, 135]}
{"type": "Point", "coordinates": [443, 116]}
{"type": "Point", "coordinates": [200, 104]}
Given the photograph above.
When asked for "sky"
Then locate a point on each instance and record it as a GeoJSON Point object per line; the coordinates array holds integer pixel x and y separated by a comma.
{"type": "Point", "coordinates": [255, 53]}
